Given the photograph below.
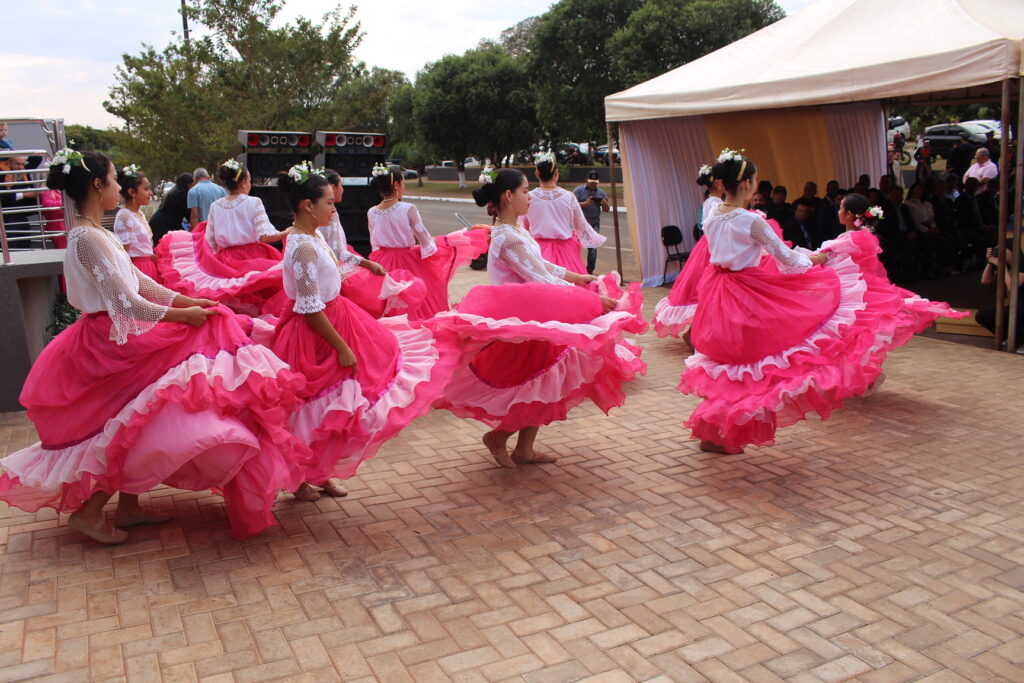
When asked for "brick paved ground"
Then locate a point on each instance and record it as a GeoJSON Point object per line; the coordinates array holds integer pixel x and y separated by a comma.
{"type": "Point", "coordinates": [884, 545]}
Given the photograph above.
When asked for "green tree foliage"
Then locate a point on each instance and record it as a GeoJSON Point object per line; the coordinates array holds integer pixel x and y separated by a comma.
{"type": "Point", "coordinates": [477, 103]}
{"type": "Point", "coordinates": [183, 105]}
{"type": "Point", "coordinates": [571, 68]}
{"type": "Point", "coordinates": [87, 138]}
{"type": "Point", "coordinates": [663, 35]}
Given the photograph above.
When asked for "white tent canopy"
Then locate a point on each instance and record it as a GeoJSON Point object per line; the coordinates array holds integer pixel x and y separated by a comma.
{"type": "Point", "coordinates": [841, 51]}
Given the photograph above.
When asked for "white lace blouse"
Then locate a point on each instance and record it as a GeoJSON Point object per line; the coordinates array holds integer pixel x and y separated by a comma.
{"type": "Point", "coordinates": [556, 215]}
{"type": "Point", "coordinates": [399, 226]}
{"type": "Point", "coordinates": [334, 235]}
{"type": "Point", "coordinates": [100, 277]}
{"type": "Point", "coordinates": [238, 221]}
{"type": "Point", "coordinates": [736, 240]}
{"type": "Point", "coordinates": [514, 256]}
{"type": "Point", "coordinates": [310, 273]}
{"type": "Point", "coordinates": [134, 232]}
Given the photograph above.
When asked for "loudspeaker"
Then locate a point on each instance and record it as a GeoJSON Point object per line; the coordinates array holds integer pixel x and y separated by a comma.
{"type": "Point", "coordinates": [278, 211]}
{"type": "Point", "coordinates": [271, 152]}
{"type": "Point", "coordinates": [271, 165]}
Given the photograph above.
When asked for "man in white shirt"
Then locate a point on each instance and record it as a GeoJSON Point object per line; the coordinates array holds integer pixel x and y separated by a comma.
{"type": "Point", "coordinates": [983, 169]}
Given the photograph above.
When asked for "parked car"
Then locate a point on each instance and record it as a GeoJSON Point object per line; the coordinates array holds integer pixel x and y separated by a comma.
{"type": "Point", "coordinates": [943, 136]}
{"type": "Point", "coordinates": [898, 124]}
{"type": "Point", "coordinates": [601, 154]}
{"type": "Point", "coordinates": [448, 163]}
{"type": "Point", "coordinates": [472, 162]}
{"type": "Point", "coordinates": [990, 124]}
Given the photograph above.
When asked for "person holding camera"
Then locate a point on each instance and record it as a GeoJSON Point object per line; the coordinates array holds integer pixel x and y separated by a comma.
{"type": "Point", "coordinates": [593, 201]}
{"type": "Point", "coordinates": [986, 317]}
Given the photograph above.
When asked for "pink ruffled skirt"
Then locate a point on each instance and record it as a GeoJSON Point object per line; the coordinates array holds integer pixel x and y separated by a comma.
{"type": "Point", "coordinates": [565, 253]}
{"type": "Point", "coordinates": [147, 265]}
{"type": "Point", "coordinates": [247, 277]}
{"type": "Point", "coordinates": [346, 416]}
{"type": "Point", "coordinates": [193, 408]}
{"type": "Point", "coordinates": [454, 250]}
{"type": "Point", "coordinates": [533, 351]}
{"type": "Point", "coordinates": [676, 311]}
{"type": "Point", "coordinates": [772, 348]}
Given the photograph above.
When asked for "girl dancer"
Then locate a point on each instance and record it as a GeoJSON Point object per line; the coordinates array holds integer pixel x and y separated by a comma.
{"type": "Point", "coordinates": [556, 220]}
{"type": "Point", "coordinates": [674, 313]}
{"type": "Point", "coordinates": [775, 339]}
{"type": "Point", "coordinates": [130, 225]}
{"type": "Point", "coordinates": [228, 258]}
{"type": "Point", "coordinates": [367, 283]}
{"type": "Point", "coordinates": [401, 242]}
{"type": "Point", "coordinates": [364, 380]}
{"type": "Point", "coordinates": [536, 346]}
{"type": "Point", "coordinates": [148, 387]}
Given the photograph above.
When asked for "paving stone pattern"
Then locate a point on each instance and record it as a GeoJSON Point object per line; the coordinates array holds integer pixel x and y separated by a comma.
{"type": "Point", "coordinates": [882, 545]}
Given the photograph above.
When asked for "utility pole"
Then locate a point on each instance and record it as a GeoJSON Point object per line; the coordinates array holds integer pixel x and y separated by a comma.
{"type": "Point", "coordinates": [184, 20]}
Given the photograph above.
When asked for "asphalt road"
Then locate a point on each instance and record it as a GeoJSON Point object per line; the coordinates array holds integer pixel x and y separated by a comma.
{"type": "Point", "coordinates": [439, 217]}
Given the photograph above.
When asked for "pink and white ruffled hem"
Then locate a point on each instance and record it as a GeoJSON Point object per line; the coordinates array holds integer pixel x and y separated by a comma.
{"type": "Point", "coordinates": [670, 320]}
{"type": "Point", "coordinates": [344, 429]}
{"type": "Point", "coordinates": [209, 422]}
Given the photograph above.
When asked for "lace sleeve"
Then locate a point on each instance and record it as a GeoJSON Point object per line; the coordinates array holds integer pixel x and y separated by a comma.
{"type": "Point", "coordinates": [129, 312]}
{"type": "Point", "coordinates": [123, 228]}
{"type": "Point", "coordinates": [260, 220]}
{"type": "Point", "coordinates": [304, 262]}
{"type": "Point", "coordinates": [511, 250]}
{"type": "Point", "coordinates": [151, 290]}
{"type": "Point", "coordinates": [589, 237]}
{"type": "Point", "coordinates": [427, 245]}
{"type": "Point", "coordinates": [335, 237]}
{"type": "Point", "coordinates": [789, 261]}
{"type": "Point", "coordinates": [211, 238]}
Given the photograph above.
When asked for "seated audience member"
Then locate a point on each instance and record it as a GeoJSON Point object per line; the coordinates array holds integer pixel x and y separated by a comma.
{"type": "Point", "coordinates": [759, 202]}
{"type": "Point", "coordinates": [945, 215]}
{"type": "Point", "coordinates": [14, 167]}
{"type": "Point", "coordinates": [970, 229]}
{"type": "Point", "coordinates": [952, 186]}
{"type": "Point", "coordinates": [986, 317]}
{"type": "Point", "coordinates": [809, 198]}
{"type": "Point", "coordinates": [828, 225]}
{"type": "Point", "coordinates": [780, 209]}
{"type": "Point", "coordinates": [898, 238]}
{"type": "Point", "coordinates": [765, 187]}
{"type": "Point", "coordinates": [936, 249]}
{"type": "Point", "coordinates": [983, 169]}
{"type": "Point", "coordinates": [800, 229]}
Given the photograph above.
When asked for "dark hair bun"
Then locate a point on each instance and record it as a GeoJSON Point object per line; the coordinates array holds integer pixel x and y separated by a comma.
{"type": "Point", "coordinates": [481, 196]}
{"type": "Point", "coordinates": [80, 175]}
{"type": "Point", "coordinates": [57, 179]}
{"type": "Point", "coordinates": [734, 171]}
{"type": "Point", "coordinates": [705, 180]}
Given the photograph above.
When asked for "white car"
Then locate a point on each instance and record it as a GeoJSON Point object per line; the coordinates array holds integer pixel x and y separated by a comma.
{"type": "Point", "coordinates": [898, 124]}
{"type": "Point", "coordinates": [472, 162]}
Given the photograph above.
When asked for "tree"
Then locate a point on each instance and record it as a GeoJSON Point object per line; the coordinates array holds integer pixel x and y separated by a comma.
{"type": "Point", "coordinates": [516, 39]}
{"type": "Point", "coordinates": [663, 35]}
{"type": "Point", "coordinates": [570, 68]}
{"type": "Point", "coordinates": [87, 138]}
{"type": "Point", "coordinates": [183, 105]}
{"type": "Point", "coordinates": [477, 103]}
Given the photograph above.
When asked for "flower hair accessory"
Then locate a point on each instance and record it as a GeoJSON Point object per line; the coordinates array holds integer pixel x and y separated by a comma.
{"type": "Point", "coordinates": [131, 170]}
{"type": "Point", "coordinates": [487, 175]}
{"type": "Point", "coordinates": [234, 166]}
{"type": "Point", "coordinates": [379, 170]}
{"type": "Point", "coordinates": [730, 155]}
{"type": "Point", "coordinates": [875, 212]}
{"type": "Point", "coordinates": [704, 172]}
{"type": "Point", "coordinates": [300, 173]}
{"type": "Point", "coordinates": [67, 158]}
{"type": "Point", "coordinates": [541, 157]}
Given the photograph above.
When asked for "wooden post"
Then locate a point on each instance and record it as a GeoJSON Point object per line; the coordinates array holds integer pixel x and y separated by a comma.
{"type": "Point", "coordinates": [615, 200]}
{"type": "Point", "coordinates": [1012, 333]}
{"type": "Point", "coordinates": [1004, 186]}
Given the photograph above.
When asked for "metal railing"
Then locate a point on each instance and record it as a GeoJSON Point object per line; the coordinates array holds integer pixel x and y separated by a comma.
{"type": "Point", "coordinates": [29, 225]}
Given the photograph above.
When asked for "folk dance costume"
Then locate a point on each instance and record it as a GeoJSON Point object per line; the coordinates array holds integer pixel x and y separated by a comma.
{"type": "Point", "coordinates": [392, 294]}
{"type": "Point", "coordinates": [401, 242]}
{"type": "Point", "coordinates": [675, 312]}
{"type": "Point", "coordinates": [223, 258]}
{"type": "Point", "coordinates": [124, 402]}
{"type": "Point", "coordinates": [537, 346]}
{"type": "Point", "coordinates": [135, 234]}
{"type": "Point", "coordinates": [777, 338]}
{"type": "Point", "coordinates": [557, 223]}
{"type": "Point", "coordinates": [401, 368]}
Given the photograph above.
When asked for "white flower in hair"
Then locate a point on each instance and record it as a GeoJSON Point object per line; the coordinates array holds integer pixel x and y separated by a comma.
{"type": "Point", "coordinates": [487, 175]}
{"type": "Point", "coordinates": [705, 170]}
{"type": "Point", "coordinates": [131, 170]}
{"type": "Point", "coordinates": [875, 212]}
{"type": "Point", "coordinates": [300, 173]}
{"type": "Point", "coordinates": [66, 158]}
{"type": "Point", "coordinates": [730, 155]}
{"type": "Point", "coordinates": [379, 170]}
{"type": "Point", "coordinates": [232, 164]}
{"type": "Point", "coordinates": [541, 157]}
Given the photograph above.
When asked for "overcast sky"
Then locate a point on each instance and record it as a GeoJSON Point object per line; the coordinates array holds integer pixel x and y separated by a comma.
{"type": "Point", "coordinates": [59, 57]}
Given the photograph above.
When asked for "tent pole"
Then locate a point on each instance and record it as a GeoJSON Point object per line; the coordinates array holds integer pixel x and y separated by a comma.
{"type": "Point", "coordinates": [615, 199]}
{"type": "Point", "coordinates": [1004, 150]}
{"type": "Point", "coordinates": [1012, 333]}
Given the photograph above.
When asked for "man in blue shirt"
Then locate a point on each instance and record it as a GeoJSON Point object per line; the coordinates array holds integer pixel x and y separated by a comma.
{"type": "Point", "coordinates": [201, 195]}
{"type": "Point", "coordinates": [593, 201]}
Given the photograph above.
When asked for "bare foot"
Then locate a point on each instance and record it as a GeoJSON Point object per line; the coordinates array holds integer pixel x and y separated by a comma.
{"type": "Point", "coordinates": [712, 447]}
{"type": "Point", "coordinates": [333, 487]}
{"type": "Point", "coordinates": [687, 339]}
{"type": "Point", "coordinates": [125, 520]}
{"type": "Point", "coordinates": [533, 457]}
{"type": "Point", "coordinates": [499, 449]}
{"type": "Point", "coordinates": [97, 531]}
{"type": "Point", "coordinates": [307, 492]}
